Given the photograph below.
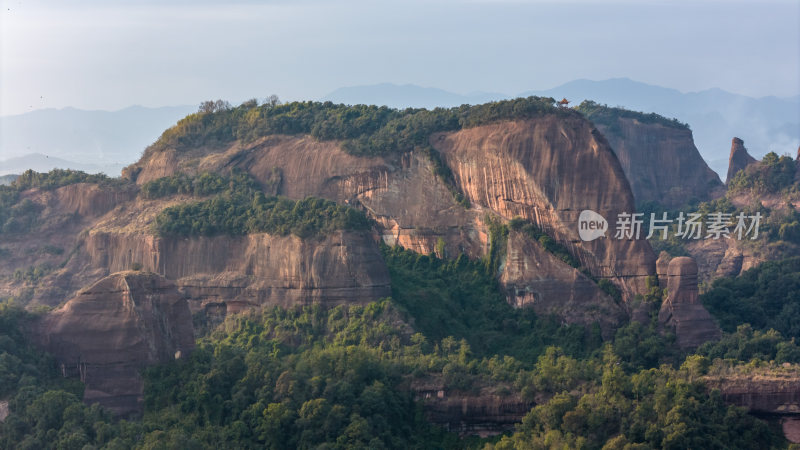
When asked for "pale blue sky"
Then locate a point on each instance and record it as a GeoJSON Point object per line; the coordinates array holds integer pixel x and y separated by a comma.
{"type": "Point", "coordinates": [96, 54]}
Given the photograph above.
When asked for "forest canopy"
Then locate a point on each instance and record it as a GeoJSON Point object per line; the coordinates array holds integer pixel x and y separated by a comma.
{"type": "Point", "coordinates": [365, 130]}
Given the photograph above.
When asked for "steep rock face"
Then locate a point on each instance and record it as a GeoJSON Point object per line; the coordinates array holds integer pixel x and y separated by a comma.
{"type": "Point", "coordinates": [413, 207]}
{"type": "Point", "coordinates": [739, 159]}
{"type": "Point", "coordinates": [90, 200]}
{"type": "Point", "coordinates": [110, 331]}
{"type": "Point", "coordinates": [481, 412]}
{"type": "Point", "coordinates": [682, 310]}
{"type": "Point", "coordinates": [256, 269]}
{"type": "Point", "coordinates": [773, 394]}
{"type": "Point", "coordinates": [661, 163]}
{"type": "Point", "coordinates": [718, 258]}
{"type": "Point", "coordinates": [533, 277]}
{"type": "Point", "coordinates": [481, 415]}
{"type": "Point", "coordinates": [763, 393]}
{"type": "Point", "coordinates": [548, 170]}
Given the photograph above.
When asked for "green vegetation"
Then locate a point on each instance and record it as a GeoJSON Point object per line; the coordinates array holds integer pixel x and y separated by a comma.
{"type": "Point", "coordinates": [339, 378]}
{"type": "Point", "coordinates": [57, 178]}
{"type": "Point", "coordinates": [747, 344]}
{"type": "Point", "coordinates": [609, 117]}
{"type": "Point", "coordinates": [33, 273]}
{"type": "Point", "coordinates": [199, 186]}
{"type": "Point", "coordinates": [498, 243]}
{"type": "Point", "coordinates": [205, 184]}
{"type": "Point", "coordinates": [242, 208]}
{"type": "Point", "coordinates": [365, 130]}
{"type": "Point", "coordinates": [18, 217]}
{"type": "Point", "coordinates": [237, 215]}
{"type": "Point", "coordinates": [773, 174]}
{"type": "Point", "coordinates": [461, 298]}
{"type": "Point", "coordinates": [655, 408]}
{"type": "Point", "coordinates": [766, 297]}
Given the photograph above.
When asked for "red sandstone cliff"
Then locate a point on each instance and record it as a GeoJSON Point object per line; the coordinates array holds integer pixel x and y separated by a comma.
{"type": "Point", "coordinates": [110, 331]}
{"type": "Point", "coordinates": [739, 159]}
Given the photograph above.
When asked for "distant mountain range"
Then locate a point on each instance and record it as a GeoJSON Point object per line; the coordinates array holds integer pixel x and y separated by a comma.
{"type": "Point", "coordinates": [84, 140]}
{"type": "Point", "coordinates": [43, 163]}
{"type": "Point", "coordinates": [715, 116]}
{"type": "Point", "coordinates": [109, 140]}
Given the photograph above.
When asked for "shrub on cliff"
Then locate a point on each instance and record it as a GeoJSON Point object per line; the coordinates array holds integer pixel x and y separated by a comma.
{"type": "Point", "coordinates": [766, 297]}
{"type": "Point", "coordinates": [772, 174]}
{"type": "Point", "coordinates": [237, 213]}
{"type": "Point", "coordinates": [609, 116]}
{"type": "Point", "coordinates": [57, 178]}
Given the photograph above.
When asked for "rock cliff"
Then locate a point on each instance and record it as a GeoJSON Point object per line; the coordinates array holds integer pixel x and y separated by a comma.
{"type": "Point", "coordinates": [662, 163]}
{"type": "Point", "coordinates": [547, 171]}
{"type": "Point", "coordinates": [773, 394]}
{"type": "Point", "coordinates": [533, 277]}
{"type": "Point", "coordinates": [739, 159]}
{"type": "Point", "coordinates": [257, 269]}
{"type": "Point", "coordinates": [682, 311]}
{"type": "Point", "coordinates": [110, 331]}
{"type": "Point", "coordinates": [482, 412]}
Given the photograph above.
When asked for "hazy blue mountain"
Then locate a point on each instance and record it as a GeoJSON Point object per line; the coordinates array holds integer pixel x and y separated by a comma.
{"type": "Point", "coordinates": [715, 116]}
{"type": "Point", "coordinates": [101, 139]}
{"type": "Point", "coordinates": [5, 180]}
{"type": "Point", "coordinates": [407, 95]}
{"type": "Point", "coordinates": [45, 163]}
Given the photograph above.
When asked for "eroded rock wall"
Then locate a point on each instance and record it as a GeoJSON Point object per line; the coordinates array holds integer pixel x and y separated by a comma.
{"type": "Point", "coordinates": [111, 330]}
{"type": "Point", "coordinates": [662, 163]}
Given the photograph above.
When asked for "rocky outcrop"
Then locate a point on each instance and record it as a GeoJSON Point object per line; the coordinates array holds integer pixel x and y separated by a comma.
{"type": "Point", "coordinates": [548, 170]}
{"type": "Point", "coordinates": [661, 162]}
{"type": "Point", "coordinates": [482, 413]}
{"type": "Point", "coordinates": [533, 277]}
{"type": "Point", "coordinates": [769, 393]}
{"type": "Point", "coordinates": [110, 331]}
{"type": "Point", "coordinates": [257, 269]}
{"type": "Point", "coordinates": [738, 160]}
{"type": "Point", "coordinates": [682, 311]}
{"type": "Point", "coordinates": [718, 258]}
{"type": "Point", "coordinates": [774, 393]}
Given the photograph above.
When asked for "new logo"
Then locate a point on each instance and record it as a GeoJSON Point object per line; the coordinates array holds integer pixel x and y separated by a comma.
{"type": "Point", "coordinates": [591, 225]}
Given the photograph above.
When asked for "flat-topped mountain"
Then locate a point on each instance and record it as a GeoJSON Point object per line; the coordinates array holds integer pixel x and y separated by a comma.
{"type": "Point", "coordinates": [290, 204]}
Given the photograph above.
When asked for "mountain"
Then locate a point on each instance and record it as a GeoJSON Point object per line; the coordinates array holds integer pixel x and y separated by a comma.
{"type": "Point", "coordinates": [104, 139]}
{"type": "Point", "coordinates": [363, 277]}
{"type": "Point", "coordinates": [44, 163]}
{"type": "Point", "coordinates": [768, 124]}
{"type": "Point", "coordinates": [5, 180]}
{"type": "Point", "coordinates": [407, 95]}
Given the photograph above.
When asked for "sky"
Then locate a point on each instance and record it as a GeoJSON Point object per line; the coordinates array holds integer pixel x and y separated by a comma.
{"type": "Point", "coordinates": [95, 54]}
